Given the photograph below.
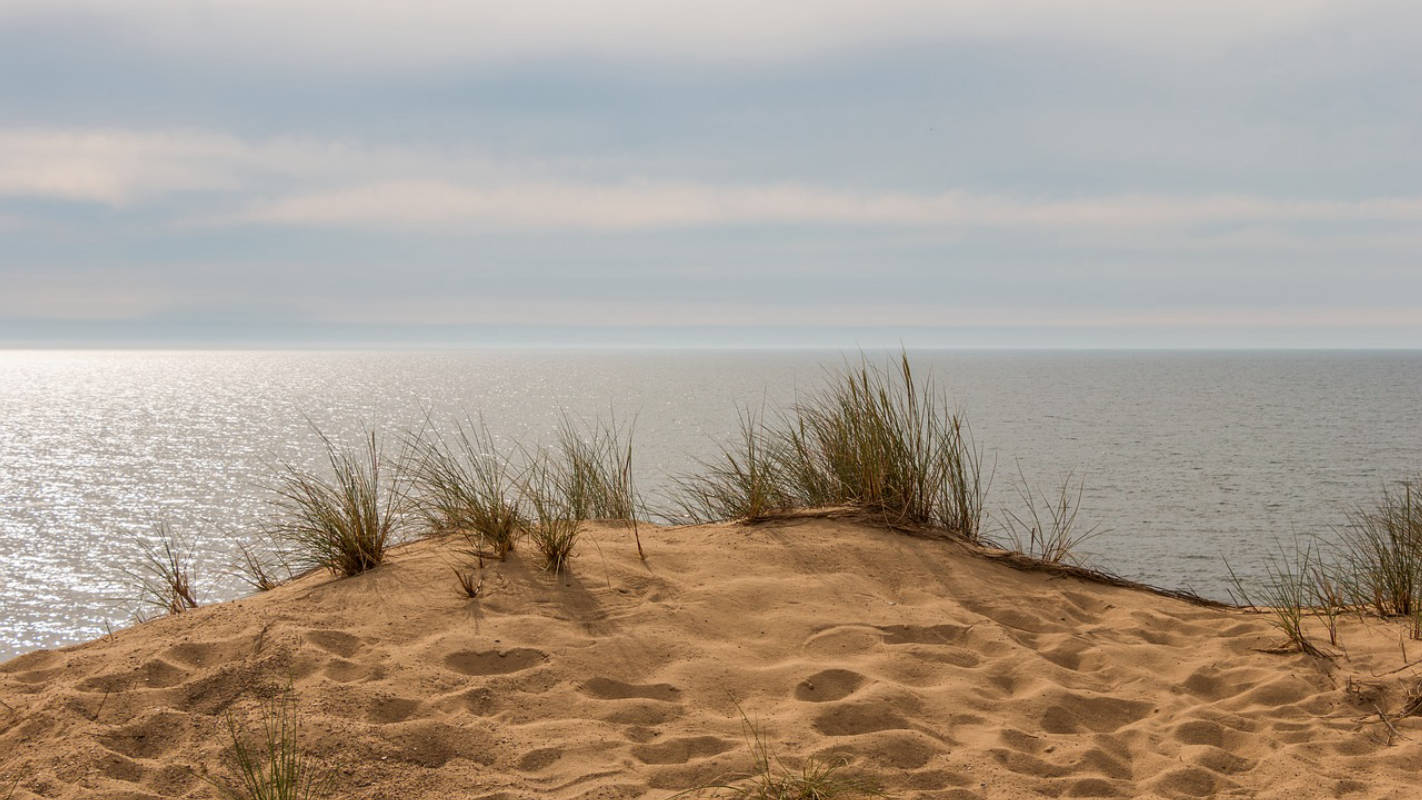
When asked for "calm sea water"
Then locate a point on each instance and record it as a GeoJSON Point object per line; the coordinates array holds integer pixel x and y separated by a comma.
{"type": "Point", "coordinates": [1189, 458]}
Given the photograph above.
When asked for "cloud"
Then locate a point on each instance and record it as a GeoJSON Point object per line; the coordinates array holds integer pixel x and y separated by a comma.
{"type": "Point", "coordinates": [119, 166]}
{"type": "Point", "coordinates": [443, 205]}
{"type": "Point", "coordinates": [314, 183]}
{"type": "Point", "coordinates": [351, 34]}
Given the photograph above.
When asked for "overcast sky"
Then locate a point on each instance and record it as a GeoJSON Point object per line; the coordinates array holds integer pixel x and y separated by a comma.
{"type": "Point", "coordinates": [947, 173]}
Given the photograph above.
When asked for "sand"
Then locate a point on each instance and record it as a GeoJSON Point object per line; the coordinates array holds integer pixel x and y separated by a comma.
{"type": "Point", "coordinates": [941, 672]}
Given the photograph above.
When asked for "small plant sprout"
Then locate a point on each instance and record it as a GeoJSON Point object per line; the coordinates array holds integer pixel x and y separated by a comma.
{"type": "Point", "coordinates": [471, 581]}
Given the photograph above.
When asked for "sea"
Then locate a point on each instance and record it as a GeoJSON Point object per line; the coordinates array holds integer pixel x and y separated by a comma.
{"type": "Point", "coordinates": [1191, 463]}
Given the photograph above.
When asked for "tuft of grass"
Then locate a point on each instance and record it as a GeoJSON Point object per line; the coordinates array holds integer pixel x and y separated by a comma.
{"type": "Point", "coordinates": [1328, 598]}
{"type": "Point", "coordinates": [1286, 593]}
{"type": "Point", "coordinates": [744, 483]}
{"type": "Point", "coordinates": [1046, 528]}
{"type": "Point", "coordinates": [1382, 554]}
{"type": "Point", "coordinates": [471, 581]}
{"type": "Point", "coordinates": [772, 779]}
{"type": "Point", "coordinates": [880, 439]}
{"type": "Point", "coordinates": [888, 442]}
{"type": "Point", "coordinates": [258, 568]}
{"type": "Point", "coordinates": [465, 486]}
{"type": "Point", "coordinates": [274, 767]}
{"type": "Point", "coordinates": [553, 521]}
{"type": "Point", "coordinates": [594, 470]}
{"type": "Point", "coordinates": [165, 572]}
{"type": "Point", "coordinates": [345, 522]}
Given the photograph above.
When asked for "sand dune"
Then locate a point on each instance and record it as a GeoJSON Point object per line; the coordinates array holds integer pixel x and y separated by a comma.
{"type": "Point", "coordinates": [942, 673]}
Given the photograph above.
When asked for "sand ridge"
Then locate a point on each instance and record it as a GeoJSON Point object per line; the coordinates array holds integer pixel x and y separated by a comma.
{"type": "Point", "coordinates": [940, 672]}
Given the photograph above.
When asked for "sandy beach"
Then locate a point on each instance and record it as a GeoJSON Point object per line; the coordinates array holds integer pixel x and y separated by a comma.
{"type": "Point", "coordinates": [927, 665]}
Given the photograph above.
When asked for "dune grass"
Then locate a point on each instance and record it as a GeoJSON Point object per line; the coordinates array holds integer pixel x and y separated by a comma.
{"type": "Point", "coordinates": [1286, 593]}
{"type": "Point", "coordinates": [1381, 548]}
{"type": "Point", "coordinates": [885, 441]}
{"type": "Point", "coordinates": [744, 483]}
{"type": "Point", "coordinates": [464, 485]}
{"type": "Point", "coordinates": [880, 439]}
{"type": "Point", "coordinates": [165, 572]}
{"type": "Point", "coordinates": [1046, 527]}
{"type": "Point", "coordinates": [343, 522]}
{"type": "Point", "coordinates": [273, 767]}
{"type": "Point", "coordinates": [594, 470]}
{"type": "Point", "coordinates": [263, 569]}
{"type": "Point", "coordinates": [553, 520]}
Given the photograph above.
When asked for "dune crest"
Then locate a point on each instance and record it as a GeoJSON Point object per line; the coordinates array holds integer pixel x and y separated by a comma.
{"type": "Point", "coordinates": [940, 673]}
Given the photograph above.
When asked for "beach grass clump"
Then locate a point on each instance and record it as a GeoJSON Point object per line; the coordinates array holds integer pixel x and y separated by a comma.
{"type": "Point", "coordinates": [263, 569]}
{"type": "Point", "coordinates": [1286, 592]}
{"type": "Point", "coordinates": [345, 521]}
{"type": "Point", "coordinates": [465, 485]}
{"type": "Point", "coordinates": [1381, 554]}
{"type": "Point", "coordinates": [1046, 527]}
{"type": "Point", "coordinates": [879, 439]}
{"type": "Point", "coordinates": [274, 766]}
{"type": "Point", "coordinates": [553, 521]}
{"type": "Point", "coordinates": [744, 483]}
{"type": "Point", "coordinates": [594, 470]}
{"type": "Point", "coordinates": [165, 572]}
{"type": "Point", "coordinates": [886, 441]}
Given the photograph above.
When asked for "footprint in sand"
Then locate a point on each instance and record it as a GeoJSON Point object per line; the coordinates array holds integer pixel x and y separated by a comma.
{"type": "Point", "coordinates": [160, 674]}
{"type": "Point", "coordinates": [827, 685]}
{"type": "Point", "coordinates": [917, 634]}
{"type": "Point", "coordinates": [494, 662]}
{"type": "Point", "coordinates": [389, 710]}
{"type": "Point", "coordinates": [1190, 782]}
{"type": "Point", "coordinates": [609, 689]}
{"type": "Point", "coordinates": [854, 719]}
{"type": "Point", "coordinates": [343, 671]}
{"type": "Point", "coordinates": [1218, 760]}
{"type": "Point", "coordinates": [1076, 713]}
{"type": "Point", "coordinates": [120, 768]}
{"type": "Point", "coordinates": [151, 736]}
{"type": "Point", "coordinates": [1201, 732]}
{"type": "Point", "coordinates": [337, 643]}
{"type": "Point", "coordinates": [536, 760]}
{"type": "Point", "coordinates": [1093, 787]}
{"type": "Point", "coordinates": [680, 751]}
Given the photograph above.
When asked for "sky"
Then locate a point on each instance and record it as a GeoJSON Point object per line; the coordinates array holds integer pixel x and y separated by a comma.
{"type": "Point", "coordinates": [955, 173]}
